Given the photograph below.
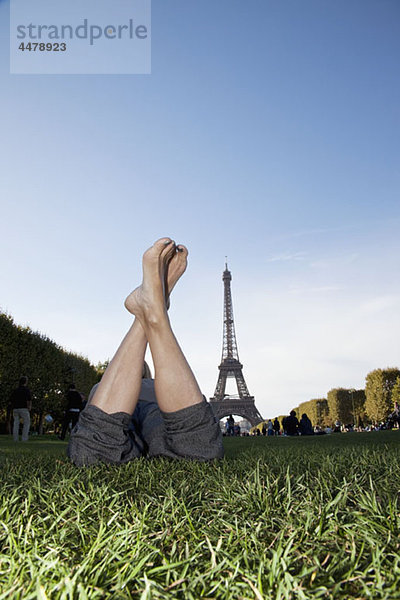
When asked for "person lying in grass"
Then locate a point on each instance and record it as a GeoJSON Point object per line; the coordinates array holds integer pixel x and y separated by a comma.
{"type": "Point", "coordinates": [182, 424]}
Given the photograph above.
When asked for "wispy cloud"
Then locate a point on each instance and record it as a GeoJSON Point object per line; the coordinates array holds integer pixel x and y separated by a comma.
{"type": "Point", "coordinates": [287, 256]}
{"type": "Point", "coordinates": [316, 290]}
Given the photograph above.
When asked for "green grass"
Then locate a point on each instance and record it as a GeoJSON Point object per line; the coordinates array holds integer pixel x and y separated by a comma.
{"type": "Point", "coordinates": [278, 518]}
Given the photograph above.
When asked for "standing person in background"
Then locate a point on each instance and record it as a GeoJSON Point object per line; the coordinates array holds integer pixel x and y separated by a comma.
{"type": "Point", "coordinates": [231, 425]}
{"type": "Point", "coordinates": [74, 407]}
{"type": "Point", "coordinates": [21, 404]}
{"type": "Point", "coordinates": [277, 427]}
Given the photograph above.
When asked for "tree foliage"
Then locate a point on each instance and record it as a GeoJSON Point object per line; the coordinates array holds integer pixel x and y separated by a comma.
{"type": "Point", "coordinates": [339, 405]}
{"type": "Point", "coordinates": [396, 392]}
{"type": "Point", "coordinates": [49, 368]}
{"type": "Point", "coordinates": [379, 388]}
{"type": "Point", "coordinates": [358, 406]}
{"type": "Point", "coordinates": [316, 410]}
{"type": "Point", "coordinates": [346, 405]}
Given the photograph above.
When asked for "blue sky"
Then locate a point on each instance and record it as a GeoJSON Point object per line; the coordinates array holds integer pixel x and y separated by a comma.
{"type": "Point", "coordinates": [268, 131]}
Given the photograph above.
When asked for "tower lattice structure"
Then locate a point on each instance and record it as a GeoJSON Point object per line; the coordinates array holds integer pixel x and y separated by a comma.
{"type": "Point", "coordinates": [243, 404]}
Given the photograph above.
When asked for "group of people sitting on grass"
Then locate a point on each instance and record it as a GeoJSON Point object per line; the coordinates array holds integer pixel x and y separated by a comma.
{"type": "Point", "coordinates": [290, 426]}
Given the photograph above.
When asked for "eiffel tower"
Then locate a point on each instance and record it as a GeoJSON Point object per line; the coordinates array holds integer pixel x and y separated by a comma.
{"type": "Point", "coordinates": [222, 404]}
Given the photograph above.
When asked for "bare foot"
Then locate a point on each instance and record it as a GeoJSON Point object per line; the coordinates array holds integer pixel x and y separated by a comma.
{"type": "Point", "coordinates": [175, 269]}
{"type": "Point", "coordinates": [148, 301]}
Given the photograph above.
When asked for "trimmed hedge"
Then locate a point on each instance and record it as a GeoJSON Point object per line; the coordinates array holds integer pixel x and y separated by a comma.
{"type": "Point", "coordinates": [49, 368]}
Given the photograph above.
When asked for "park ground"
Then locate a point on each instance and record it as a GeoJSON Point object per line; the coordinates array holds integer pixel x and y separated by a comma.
{"type": "Point", "coordinates": [278, 518]}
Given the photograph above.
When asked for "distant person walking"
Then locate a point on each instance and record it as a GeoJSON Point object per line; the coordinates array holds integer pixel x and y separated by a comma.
{"type": "Point", "coordinates": [277, 427]}
{"type": "Point", "coordinates": [270, 426]}
{"type": "Point", "coordinates": [74, 407]}
{"type": "Point", "coordinates": [21, 404]}
{"type": "Point", "coordinates": [231, 425]}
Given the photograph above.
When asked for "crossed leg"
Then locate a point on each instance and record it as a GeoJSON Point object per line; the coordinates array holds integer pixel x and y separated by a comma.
{"type": "Point", "coordinates": [175, 385]}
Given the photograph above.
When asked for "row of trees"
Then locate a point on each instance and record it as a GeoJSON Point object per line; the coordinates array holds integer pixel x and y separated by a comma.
{"type": "Point", "coordinates": [373, 404]}
{"type": "Point", "coordinates": [370, 405]}
{"type": "Point", "coordinates": [49, 368]}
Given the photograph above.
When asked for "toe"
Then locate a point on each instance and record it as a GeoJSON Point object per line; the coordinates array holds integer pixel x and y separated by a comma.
{"type": "Point", "coordinates": [156, 250]}
{"type": "Point", "coordinates": [161, 244]}
{"type": "Point", "coordinates": [183, 251]}
{"type": "Point", "coordinates": [168, 250]}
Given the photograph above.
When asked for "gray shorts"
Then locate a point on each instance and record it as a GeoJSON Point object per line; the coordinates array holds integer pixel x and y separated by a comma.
{"type": "Point", "coordinates": [190, 433]}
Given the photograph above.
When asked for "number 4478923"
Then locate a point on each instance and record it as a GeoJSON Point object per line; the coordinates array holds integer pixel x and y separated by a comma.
{"type": "Point", "coordinates": [42, 47]}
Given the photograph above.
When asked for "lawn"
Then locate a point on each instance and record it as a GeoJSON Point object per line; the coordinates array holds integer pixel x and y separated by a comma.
{"type": "Point", "coordinates": [277, 518]}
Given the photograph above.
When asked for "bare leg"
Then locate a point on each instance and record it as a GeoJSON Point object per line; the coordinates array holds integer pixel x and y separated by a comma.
{"type": "Point", "coordinates": [120, 385]}
{"type": "Point", "coordinates": [16, 427]}
{"type": "Point", "coordinates": [101, 435]}
{"type": "Point", "coordinates": [119, 388]}
{"type": "Point", "coordinates": [175, 385]}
